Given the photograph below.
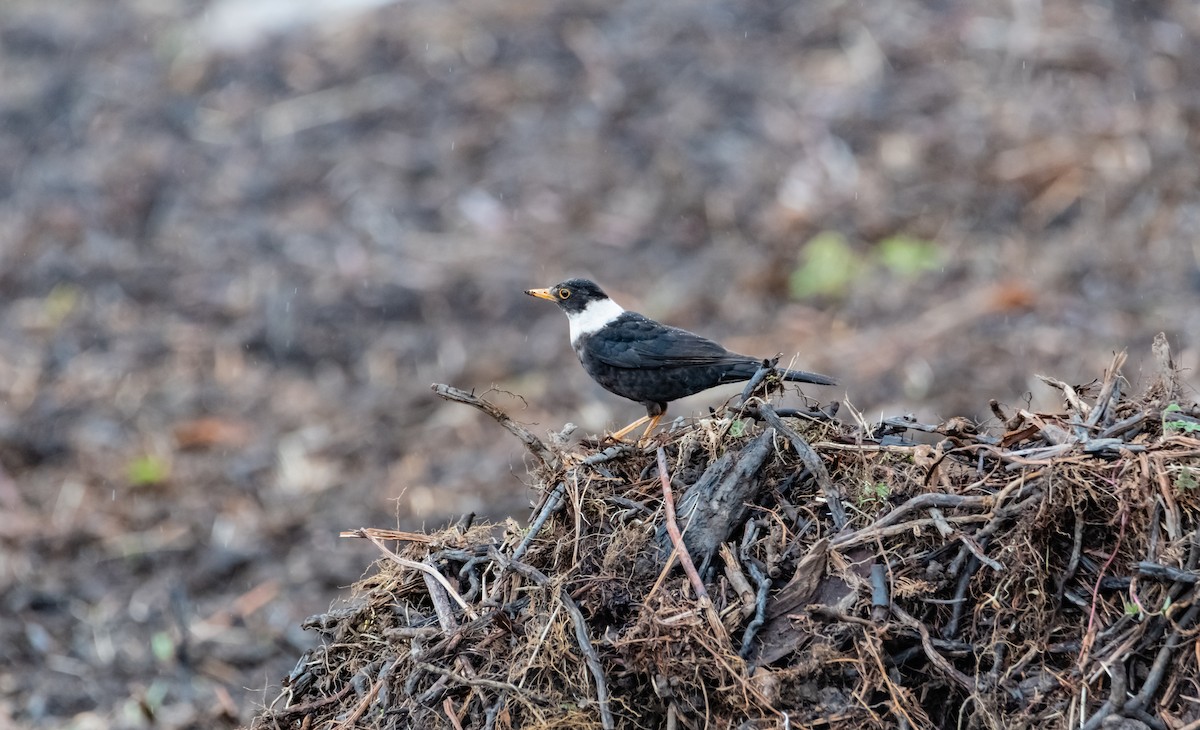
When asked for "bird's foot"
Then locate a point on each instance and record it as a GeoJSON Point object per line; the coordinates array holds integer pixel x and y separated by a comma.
{"type": "Point", "coordinates": [644, 439]}
{"type": "Point", "coordinates": [620, 435]}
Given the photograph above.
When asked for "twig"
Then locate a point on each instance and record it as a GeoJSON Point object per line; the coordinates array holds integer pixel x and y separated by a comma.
{"type": "Point", "coordinates": [932, 653]}
{"type": "Point", "coordinates": [477, 681]}
{"type": "Point", "coordinates": [1125, 424]}
{"type": "Point", "coordinates": [919, 502]}
{"type": "Point", "coordinates": [673, 527]}
{"type": "Point", "coordinates": [905, 449]}
{"type": "Point", "coordinates": [1109, 392]}
{"type": "Point", "coordinates": [489, 717]}
{"type": "Point", "coordinates": [1073, 561]}
{"type": "Point", "coordinates": [553, 502]}
{"type": "Point", "coordinates": [960, 595]}
{"type": "Point", "coordinates": [448, 708]}
{"type": "Point", "coordinates": [816, 415]}
{"type": "Point", "coordinates": [438, 596]}
{"type": "Point", "coordinates": [737, 580]}
{"type": "Point", "coordinates": [812, 460]}
{"type": "Point", "coordinates": [308, 707]}
{"type": "Point", "coordinates": [1167, 383]}
{"type": "Point", "coordinates": [1159, 669]}
{"type": "Point", "coordinates": [1167, 573]}
{"type": "Point", "coordinates": [383, 534]}
{"type": "Point", "coordinates": [533, 443]}
{"type": "Point", "coordinates": [939, 521]}
{"type": "Point", "coordinates": [581, 631]}
{"type": "Point", "coordinates": [1069, 394]}
{"type": "Point", "coordinates": [1116, 697]}
{"type": "Point", "coordinates": [685, 558]}
{"type": "Point", "coordinates": [612, 452]}
{"type": "Point", "coordinates": [366, 700]}
{"type": "Point", "coordinates": [426, 569]}
{"type": "Point", "coordinates": [755, 380]}
{"type": "Point", "coordinates": [760, 609]}
{"type": "Point", "coordinates": [977, 550]}
{"type": "Point", "coordinates": [880, 601]}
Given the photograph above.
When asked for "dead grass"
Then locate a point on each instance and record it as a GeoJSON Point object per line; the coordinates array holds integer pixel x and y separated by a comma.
{"type": "Point", "coordinates": [1044, 574]}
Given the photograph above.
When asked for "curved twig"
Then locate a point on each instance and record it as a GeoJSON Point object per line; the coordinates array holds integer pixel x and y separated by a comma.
{"type": "Point", "coordinates": [533, 443]}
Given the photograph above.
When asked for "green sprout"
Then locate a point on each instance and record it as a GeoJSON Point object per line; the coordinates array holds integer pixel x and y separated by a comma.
{"type": "Point", "coordinates": [830, 265]}
{"type": "Point", "coordinates": [1178, 425]}
{"type": "Point", "coordinates": [873, 493]}
{"type": "Point", "coordinates": [147, 471]}
{"type": "Point", "coordinates": [909, 256]}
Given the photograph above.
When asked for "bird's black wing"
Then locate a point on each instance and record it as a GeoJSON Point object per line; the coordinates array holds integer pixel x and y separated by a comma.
{"type": "Point", "coordinates": [635, 341]}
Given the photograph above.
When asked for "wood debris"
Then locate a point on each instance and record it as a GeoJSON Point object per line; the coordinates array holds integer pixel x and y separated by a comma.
{"type": "Point", "coordinates": [1044, 572]}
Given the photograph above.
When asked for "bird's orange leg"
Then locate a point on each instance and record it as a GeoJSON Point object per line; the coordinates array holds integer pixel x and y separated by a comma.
{"type": "Point", "coordinates": [650, 428]}
{"type": "Point", "coordinates": [621, 434]}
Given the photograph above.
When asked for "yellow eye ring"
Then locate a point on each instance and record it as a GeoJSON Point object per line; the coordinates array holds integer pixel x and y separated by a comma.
{"type": "Point", "coordinates": [564, 293]}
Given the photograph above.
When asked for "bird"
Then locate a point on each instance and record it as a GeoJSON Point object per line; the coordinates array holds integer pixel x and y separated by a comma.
{"type": "Point", "coordinates": [646, 361]}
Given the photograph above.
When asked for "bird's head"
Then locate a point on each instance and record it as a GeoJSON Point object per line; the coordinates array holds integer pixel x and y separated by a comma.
{"type": "Point", "coordinates": [572, 296]}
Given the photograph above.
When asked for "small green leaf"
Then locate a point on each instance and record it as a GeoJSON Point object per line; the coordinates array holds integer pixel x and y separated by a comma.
{"type": "Point", "coordinates": [60, 302]}
{"type": "Point", "coordinates": [146, 471]}
{"type": "Point", "coordinates": [1179, 425]}
{"type": "Point", "coordinates": [910, 256]}
{"type": "Point", "coordinates": [162, 646]}
{"type": "Point", "coordinates": [738, 427]}
{"type": "Point", "coordinates": [873, 493]}
{"type": "Point", "coordinates": [1185, 480]}
{"type": "Point", "coordinates": [828, 268]}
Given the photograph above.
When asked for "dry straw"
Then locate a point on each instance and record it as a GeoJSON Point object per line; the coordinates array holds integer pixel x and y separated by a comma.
{"type": "Point", "coordinates": [893, 575]}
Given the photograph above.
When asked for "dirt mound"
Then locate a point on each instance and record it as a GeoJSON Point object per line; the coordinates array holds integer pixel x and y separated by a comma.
{"type": "Point", "coordinates": [777, 568]}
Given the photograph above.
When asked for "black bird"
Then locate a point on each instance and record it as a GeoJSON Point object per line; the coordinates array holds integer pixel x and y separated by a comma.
{"type": "Point", "coordinates": [646, 361]}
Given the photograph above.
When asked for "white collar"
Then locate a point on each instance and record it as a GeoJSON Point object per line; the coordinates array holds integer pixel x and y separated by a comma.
{"type": "Point", "coordinates": [593, 317]}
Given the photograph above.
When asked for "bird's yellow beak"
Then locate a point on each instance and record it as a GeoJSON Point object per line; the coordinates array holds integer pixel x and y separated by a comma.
{"type": "Point", "coordinates": [541, 294]}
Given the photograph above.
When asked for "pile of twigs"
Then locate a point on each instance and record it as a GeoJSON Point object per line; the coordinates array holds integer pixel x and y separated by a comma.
{"type": "Point", "coordinates": [771, 568]}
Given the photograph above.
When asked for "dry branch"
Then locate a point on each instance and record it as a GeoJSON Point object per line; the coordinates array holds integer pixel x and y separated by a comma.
{"type": "Point", "coordinates": [533, 443]}
{"type": "Point", "coordinates": [1046, 575]}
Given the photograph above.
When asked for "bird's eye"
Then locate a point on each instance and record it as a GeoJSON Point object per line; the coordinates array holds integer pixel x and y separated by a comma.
{"type": "Point", "coordinates": [564, 293]}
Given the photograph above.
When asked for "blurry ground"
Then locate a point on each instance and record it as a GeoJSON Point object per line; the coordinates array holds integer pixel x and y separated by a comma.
{"type": "Point", "coordinates": [230, 269]}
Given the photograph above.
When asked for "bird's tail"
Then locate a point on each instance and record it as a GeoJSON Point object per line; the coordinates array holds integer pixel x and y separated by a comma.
{"type": "Point", "coordinates": [745, 368]}
{"type": "Point", "coordinates": [801, 376]}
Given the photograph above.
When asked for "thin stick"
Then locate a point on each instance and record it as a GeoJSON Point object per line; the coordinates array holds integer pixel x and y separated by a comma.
{"type": "Point", "coordinates": [448, 708]}
{"type": "Point", "coordinates": [737, 580]}
{"type": "Point", "coordinates": [919, 502]}
{"type": "Point", "coordinates": [760, 375]}
{"type": "Point", "coordinates": [933, 654]}
{"type": "Point", "coordinates": [427, 569]}
{"type": "Point", "coordinates": [1159, 669]}
{"type": "Point", "coordinates": [553, 502]}
{"type": "Point", "coordinates": [533, 443]}
{"type": "Point", "coordinates": [1112, 379]}
{"type": "Point", "coordinates": [673, 528]}
{"type": "Point", "coordinates": [685, 558]}
{"type": "Point", "coordinates": [581, 631]}
{"type": "Point", "coordinates": [475, 681]}
{"type": "Point", "coordinates": [309, 707]}
{"type": "Point", "coordinates": [367, 699]}
{"type": "Point", "coordinates": [441, 605]}
{"type": "Point", "coordinates": [812, 460]}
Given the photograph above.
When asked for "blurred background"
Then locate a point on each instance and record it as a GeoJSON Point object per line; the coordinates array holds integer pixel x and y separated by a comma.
{"type": "Point", "coordinates": [239, 239]}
